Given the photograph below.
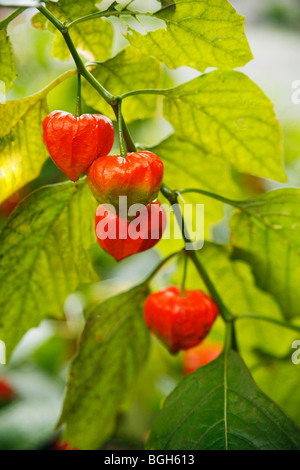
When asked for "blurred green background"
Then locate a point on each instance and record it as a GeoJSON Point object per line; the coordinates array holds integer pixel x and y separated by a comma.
{"type": "Point", "coordinates": [38, 370]}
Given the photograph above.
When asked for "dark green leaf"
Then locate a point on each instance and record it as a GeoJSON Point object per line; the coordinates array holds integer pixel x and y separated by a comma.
{"type": "Point", "coordinates": [113, 349]}
{"type": "Point", "coordinates": [219, 407]}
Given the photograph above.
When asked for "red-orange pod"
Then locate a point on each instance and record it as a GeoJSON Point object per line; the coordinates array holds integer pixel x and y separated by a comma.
{"type": "Point", "coordinates": [138, 177]}
{"type": "Point", "coordinates": [200, 355]}
{"type": "Point", "coordinates": [75, 142]}
{"type": "Point", "coordinates": [121, 239]}
{"type": "Point", "coordinates": [180, 321]}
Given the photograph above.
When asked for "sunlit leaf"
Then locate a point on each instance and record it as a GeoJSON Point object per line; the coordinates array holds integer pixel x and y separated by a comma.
{"type": "Point", "coordinates": [7, 62]}
{"type": "Point", "coordinates": [93, 38]}
{"type": "Point", "coordinates": [22, 150]}
{"type": "Point", "coordinates": [198, 34]}
{"type": "Point", "coordinates": [43, 256]}
{"type": "Point", "coordinates": [229, 117]}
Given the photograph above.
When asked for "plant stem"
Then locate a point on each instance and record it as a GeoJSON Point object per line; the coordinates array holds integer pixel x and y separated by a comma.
{"type": "Point", "coordinates": [230, 339]}
{"type": "Point", "coordinates": [108, 97]}
{"type": "Point", "coordinates": [103, 14]}
{"type": "Point", "coordinates": [280, 323]}
{"type": "Point", "coordinates": [226, 315]}
{"type": "Point", "coordinates": [237, 204]}
{"type": "Point", "coordinates": [123, 146]}
{"type": "Point", "coordinates": [55, 21]}
{"type": "Point", "coordinates": [147, 91]}
{"type": "Point", "coordinates": [127, 136]}
{"type": "Point", "coordinates": [78, 100]}
{"type": "Point", "coordinates": [12, 16]}
{"type": "Point", "coordinates": [172, 197]}
{"type": "Point", "coordinates": [161, 264]}
{"type": "Point", "coordinates": [185, 261]}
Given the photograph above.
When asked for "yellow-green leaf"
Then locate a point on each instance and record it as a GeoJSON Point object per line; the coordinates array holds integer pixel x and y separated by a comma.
{"type": "Point", "coordinates": [22, 150]}
{"type": "Point", "coordinates": [92, 38]}
{"type": "Point", "coordinates": [129, 70]}
{"type": "Point", "coordinates": [229, 117]}
{"type": "Point", "coordinates": [43, 256]}
{"type": "Point", "coordinates": [198, 34]}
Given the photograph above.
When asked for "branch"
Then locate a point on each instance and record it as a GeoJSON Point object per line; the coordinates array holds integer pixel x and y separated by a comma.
{"type": "Point", "coordinates": [172, 197]}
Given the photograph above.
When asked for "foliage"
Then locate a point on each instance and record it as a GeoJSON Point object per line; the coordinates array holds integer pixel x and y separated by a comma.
{"type": "Point", "coordinates": [222, 127]}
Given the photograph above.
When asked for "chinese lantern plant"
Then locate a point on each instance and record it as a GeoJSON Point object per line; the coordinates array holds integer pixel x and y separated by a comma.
{"type": "Point", "coordinates": [248, 288]}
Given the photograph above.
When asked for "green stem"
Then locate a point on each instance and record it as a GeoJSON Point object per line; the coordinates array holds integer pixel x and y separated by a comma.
{"type": "Point", "coordinates": [230, 339]}
{"type": "Point", "coordinates": [123, 146]}
{"type": "Point", "coordinates": [280, 323]}
{"type": "Point", "coordinates": [12, 16]}
{"type": "Point", "coordinates": [56, 22]}
{"type": "Point", "coordinates": [106, 13]}
{"type": "Point", "coordinates": [226, 315]}
{"type": "Point", "coordinates": [78, 100]}
{"type": "Point", "coordinates": [172, 197]}
{"type": "Point", "coordinates": [58, 81]}
{"type": "Point", "coordinates": [147, 91]}
{"type": "Point", "coordinates": [160, 265]}
{"type": "Point", "coordinates": [225, 200]}
{"type": "Point", "coordinates": [108, 97]}
{"type": "Point", "coordinates": [127, 136]}
{"type": "Point", "coordinates": [185, 261]}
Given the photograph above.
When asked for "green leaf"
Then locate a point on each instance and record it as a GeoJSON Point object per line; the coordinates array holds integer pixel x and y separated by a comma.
{"type": "Point", "coordinates": [43, 256]}
{"type": "Point", "coordinates": [92, 38]}
{"type": "Point", "coordinates": [129, 70]}
{"type": "Point", "coordinates": [112, 351]}
{"type": "Point", "coordinates": [200, 172]}
{"type": "Point", "coordinates": [198, 34]}
{"type": "Point", "coordinates": [220, 407]}
{"type": "Point", "coordinates": [7, 62]}
{"type": "Point", "coordinates": [22, 150]}
{"type": "Point", "coordinates": [229, 117]}
{"type": "Point", "coordinates": [266, 233]}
